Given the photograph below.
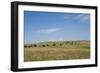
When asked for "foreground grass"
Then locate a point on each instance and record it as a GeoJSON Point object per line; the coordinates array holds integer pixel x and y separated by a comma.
{"type": "Point", "coordinates": [62, 52]}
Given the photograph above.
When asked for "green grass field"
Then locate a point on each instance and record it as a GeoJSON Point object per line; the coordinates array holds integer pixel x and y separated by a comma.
{"type": "Point", "coordinates": [60, 50]}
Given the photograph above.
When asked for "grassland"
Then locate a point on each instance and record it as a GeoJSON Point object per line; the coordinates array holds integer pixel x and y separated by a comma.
{"type": "Point", "coordinates": [57, 50]}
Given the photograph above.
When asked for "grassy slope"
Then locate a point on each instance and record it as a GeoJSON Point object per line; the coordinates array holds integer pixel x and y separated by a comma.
{"type": "Point", "coordinates": [80, 50]}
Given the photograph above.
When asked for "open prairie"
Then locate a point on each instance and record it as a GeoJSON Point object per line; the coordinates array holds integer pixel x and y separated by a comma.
{"type": "Point", "coordinates": [57, 50]}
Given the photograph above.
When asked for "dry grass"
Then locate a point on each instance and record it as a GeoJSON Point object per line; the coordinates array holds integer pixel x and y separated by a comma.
{"type": "Point", "coordinates": [70, 51]}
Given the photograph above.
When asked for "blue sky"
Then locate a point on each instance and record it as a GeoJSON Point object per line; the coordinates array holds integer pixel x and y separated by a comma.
{"type": "Point", "coordinates": [53, 26]}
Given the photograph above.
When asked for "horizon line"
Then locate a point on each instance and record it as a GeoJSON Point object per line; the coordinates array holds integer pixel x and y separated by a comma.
{"type": "Point", "coordinates": [54, 41]}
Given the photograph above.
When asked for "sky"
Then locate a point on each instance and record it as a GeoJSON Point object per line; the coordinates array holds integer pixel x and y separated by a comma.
{"type": "Point", "coordinates": [55, 26]}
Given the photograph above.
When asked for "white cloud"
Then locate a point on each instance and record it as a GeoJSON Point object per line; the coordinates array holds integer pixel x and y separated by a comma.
{"type": "Point", "coordinates": [83, 17]}
{"type": "Point", "coordinates": [49, 30]}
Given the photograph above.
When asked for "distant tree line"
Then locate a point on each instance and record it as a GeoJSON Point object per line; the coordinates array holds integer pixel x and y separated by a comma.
{"type": "Point", "coordinates": [53, 44]}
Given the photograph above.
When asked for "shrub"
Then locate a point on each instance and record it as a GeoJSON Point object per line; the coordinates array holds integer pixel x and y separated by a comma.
{"type": "Point", "coordinates": [54, 44]}
{"type": "Point", "coordinates": [43, 45]}
{"type": "Point", "coordinates": [67, 42]}
{"type": "Point", "coordinates": [34, 45]}
{"type": "Point", "coordinates": [47, 45]}
{"type": "Point", "coordinates": [25, 46]}
{"type": "Point", "coordinates": [60, 44]}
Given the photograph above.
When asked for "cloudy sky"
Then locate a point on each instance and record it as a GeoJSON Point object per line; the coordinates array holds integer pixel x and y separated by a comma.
{"type": "Point", "coordinates": [52, 26]}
